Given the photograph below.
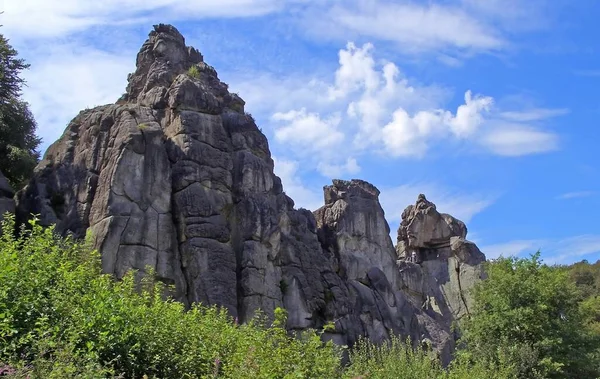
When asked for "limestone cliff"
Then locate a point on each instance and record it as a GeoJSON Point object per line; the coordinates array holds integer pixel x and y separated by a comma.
{"type": "Point", "coordinates": [177, 177]}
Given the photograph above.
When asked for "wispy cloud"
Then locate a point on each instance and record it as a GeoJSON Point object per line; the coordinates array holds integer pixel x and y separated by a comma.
{"type": "Point", "coordinates": [511, 248]}
{"type": "Point", "coordinates": [554, 251]}
{"type": "Point", "coordinates": [303, 196]}
{"type": "Point", "coordinates": [423, 27]}
{"type": "Point", "coordinates": [572, 249]}
{"type": "Point", "coordinates": [514, 140]}
{"type": "Point", "coordinates": [535, 114]}
{"type": "Point", "coordinates": [591, 73]}
{"type": "Point", "coordinates": [52, 18]}
{"type": "Point", "coordinates": [576, 195]}
{"type": "Point", "coordinates": [458, 203]}
{"type": "Point", "coordinates": [441, 28]}
{"type": "Point", "coordinates": [336, 171]}
{"type": "Point", "coordinates": [70, 78]}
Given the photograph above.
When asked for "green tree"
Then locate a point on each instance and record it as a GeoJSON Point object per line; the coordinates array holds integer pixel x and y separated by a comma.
{"type": "Point", "coordinates": [18, 142]}
{"type": "Point", "coordinates": [527, 315]}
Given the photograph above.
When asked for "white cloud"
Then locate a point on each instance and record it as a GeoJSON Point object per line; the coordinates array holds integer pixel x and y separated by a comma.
{"type": "Point", "coordinates": [554, 251]}
{"type": "Point", "coordinates": [571, 249]}
{"type": "Point", "coordinates": [303, 196]}
{"type": "Point", "coordinates": [373, 104]}
{"type": "Point", "coordinates": [52, 18]}
{"type": "Point", "coordinates": [469, 115]}
{"type": "Point", "coordinates": [421, 26]}
{"type": "Point", "coordinates": [576, 195]}
{"type": "Point", "coordinates": [357, 71]}
{"type": "Point", "coordinates": [70, 78]}
{"type": "Point", "coordinates": [515, 140]}
{"type": "Point", "coordinates": [511, 248]}
{"type": "Point", "coordinates": [334, 171]}
{"type": "Point", "coordinates": [308, 130]}
{"type": "Point", "coordinates": [266, 94]}
{"type": "Point", "coordinates": [534, 114]}
{"type": "Point", "coordinates": [457, 203]}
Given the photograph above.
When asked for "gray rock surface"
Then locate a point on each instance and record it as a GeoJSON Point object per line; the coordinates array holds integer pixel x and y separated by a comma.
{"type": "Point", "coordinates": [7, 204]}
{"type": "Point", "coordinates": [438, 266]}
{"type": "Point", "coordinates": [353, 231]}
{"type": "Point", "coordinates": [176, 178]}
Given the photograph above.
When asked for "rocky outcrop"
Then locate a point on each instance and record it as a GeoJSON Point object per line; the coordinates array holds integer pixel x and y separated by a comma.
{"type": "Point", "coordinates": [7, 203]}
{"type": "Point", "coordinates": [353, 231]}
{"type": "Point", "coordinates": [438, 266]}
{"type": "Point", "coordinates": [176, 178]}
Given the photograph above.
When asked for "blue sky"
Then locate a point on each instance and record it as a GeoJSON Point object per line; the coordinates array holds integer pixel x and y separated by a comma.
{"type": "Point", "coordinates": [489, 107]}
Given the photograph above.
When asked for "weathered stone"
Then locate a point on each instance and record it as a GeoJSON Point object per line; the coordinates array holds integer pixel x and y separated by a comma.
{"type": "Point", "coordinates": [7, 204]}
{"type": "Point", "coordinates": [438, 266]}
{"type": "Point", "coordinates": [175, 179]}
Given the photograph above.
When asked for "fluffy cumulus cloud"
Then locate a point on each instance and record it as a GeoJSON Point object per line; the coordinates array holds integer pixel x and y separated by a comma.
{"type": "Point", "coordinates": [371, 107]}
{"type": "Point", "coordinates": [408, 135]}
{"type": "Point", "coordinates": [308, 130]}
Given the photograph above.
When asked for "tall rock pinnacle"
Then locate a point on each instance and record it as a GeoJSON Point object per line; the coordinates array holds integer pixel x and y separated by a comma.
{"type": "Point", "coordinates": [175, 177]}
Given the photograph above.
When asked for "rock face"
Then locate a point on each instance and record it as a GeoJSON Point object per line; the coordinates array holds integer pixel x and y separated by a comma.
{"type": "Point", "coordinates": [176, 177]}
{"type": "Point", "coordinates": [438, 266]}
{"type": "Point", "coordinates": [7, 203]}
{"type": "Point", "coordinates": [354, 233]}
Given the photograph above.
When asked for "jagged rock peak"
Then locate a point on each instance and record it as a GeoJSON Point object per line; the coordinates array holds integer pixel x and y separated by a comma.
{"type": "Point", "coordinates": [346, 189]}
{"type": "Point", "coordinates": [422, 225]}
{"type": "Point", "coordinates": [170, 74]}
{"type": "Point", "coordinates": [425, 231]}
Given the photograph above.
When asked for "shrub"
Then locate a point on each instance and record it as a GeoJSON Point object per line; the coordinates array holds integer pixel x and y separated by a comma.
{"type": "Point", "coordinates": [52, 290]}
{"type": "Point", "coordinates": [194, 72]}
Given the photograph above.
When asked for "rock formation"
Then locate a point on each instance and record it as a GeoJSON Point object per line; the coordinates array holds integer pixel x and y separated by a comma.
{"type": "Point", "coordinates": [7, 203]}
{"type": "Point", "coordinates": [176, 177]}
{"type": "Point", "coordinates": [437, 264]}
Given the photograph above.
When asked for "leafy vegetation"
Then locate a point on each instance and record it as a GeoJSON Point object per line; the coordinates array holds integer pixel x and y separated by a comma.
{"type": "Point", "coordinates": [61, 317]}
{"type": "Point", "coordinates": [59, 314]}
{"type": "Point", "coordinates": [18, 142]}
{"type": "Point", "coordinates": [194, 72]}
{"type": "Point", "coordinates": [528, 315]}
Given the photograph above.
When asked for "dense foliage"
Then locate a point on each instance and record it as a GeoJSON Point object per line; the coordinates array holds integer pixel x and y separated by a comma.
{"type": "Point", "coordinates": [529, 316]}
{"type": "Point", "coordinates": [61, 317]}
{"type": "Point", "coordinates": [18, 142]}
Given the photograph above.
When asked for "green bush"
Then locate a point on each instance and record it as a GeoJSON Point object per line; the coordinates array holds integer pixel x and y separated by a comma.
{"type": "Point", "coordinates": [52, 290]}
{"type": "Point", "coordinates": [398, 359]}
{"type": "Point", "coordinates": [60, 317]}
{"type": "Point", "coordinates": [528, 315]}
{"type": "Point", "coordinates": [194, 72]}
